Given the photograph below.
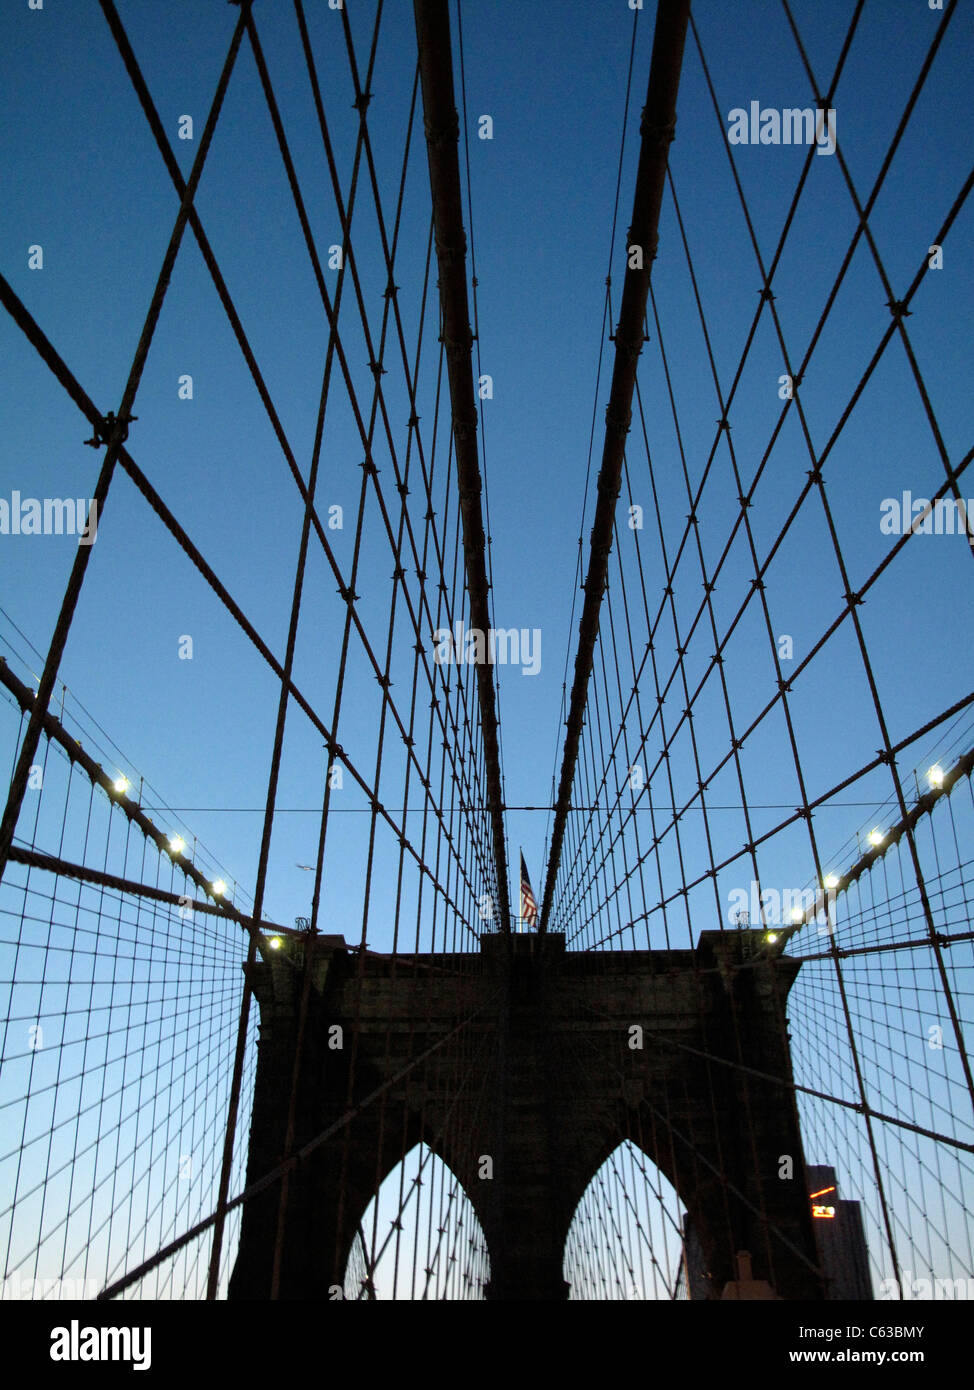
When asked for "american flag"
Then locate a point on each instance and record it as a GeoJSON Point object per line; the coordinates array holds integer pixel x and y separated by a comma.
{"type": "Point", "coordinates": [529, 908]}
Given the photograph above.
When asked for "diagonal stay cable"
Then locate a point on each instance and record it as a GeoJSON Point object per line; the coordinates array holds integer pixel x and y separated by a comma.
{"type": "Point", "coordinates": [345, 589]}
{"type": "Point", "coordinates": [288, 1166]}
{"type": "Point", "coordinates": [800, 813]}
{"type": "Point", "coordinates": [767, 276]}
{"type": "Point", "coordinates": [38, 339]}
{"type": "Point", "coordinates": [112, 430]}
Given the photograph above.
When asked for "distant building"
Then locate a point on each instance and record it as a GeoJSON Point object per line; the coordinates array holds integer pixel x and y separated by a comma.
{"type": "Point", "coordinates": [839, 1236]}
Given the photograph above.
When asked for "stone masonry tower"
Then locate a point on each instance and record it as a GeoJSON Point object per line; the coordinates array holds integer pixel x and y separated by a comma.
{"type": "Point", "coordinates": [541, 1061]}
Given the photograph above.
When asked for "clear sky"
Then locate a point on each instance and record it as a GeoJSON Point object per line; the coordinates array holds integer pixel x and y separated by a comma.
{"type": "Point", "coordinates": [81, 178]}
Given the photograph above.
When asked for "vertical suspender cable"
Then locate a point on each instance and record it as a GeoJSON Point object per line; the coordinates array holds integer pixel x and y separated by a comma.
{"type": "Point", "coordinates": [657, 128]}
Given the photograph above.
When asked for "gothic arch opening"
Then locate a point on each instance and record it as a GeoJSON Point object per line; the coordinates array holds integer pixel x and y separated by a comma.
{"type": "Point", "coordinates": [626, 1237]}
{"type": "Point", "coordinates": [419, 1237]}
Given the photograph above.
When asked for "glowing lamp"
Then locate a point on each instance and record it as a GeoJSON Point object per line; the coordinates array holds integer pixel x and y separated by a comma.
{"type": "Point", "coordinates": [177, 844]}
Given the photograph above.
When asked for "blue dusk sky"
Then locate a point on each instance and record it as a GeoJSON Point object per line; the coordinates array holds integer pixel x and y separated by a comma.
{"type": "Point", "coordinates": [86, 212]}
{"type": "Point", "coordinates": [82, 178]}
